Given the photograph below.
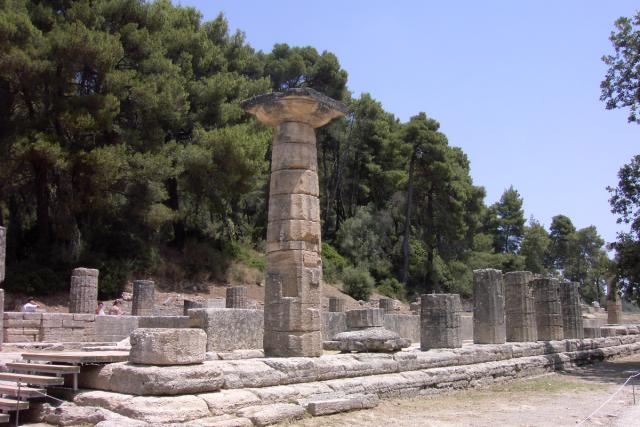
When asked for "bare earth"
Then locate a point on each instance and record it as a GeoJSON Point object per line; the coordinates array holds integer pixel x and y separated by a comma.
{"type": "Point", "coordinates": [561, 399]}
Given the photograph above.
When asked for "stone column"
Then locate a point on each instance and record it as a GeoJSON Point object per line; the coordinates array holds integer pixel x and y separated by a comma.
{"type": "Point", "coordinates": [294, 267]}
{"type": "Point", "coordinates": [3, 252]}
{"type": "Point", "coordinates": [488, 307]}
{"type": "Point", "coordinates": [365, 318]}
{"type": "Point", "coordinates": [83, 295]}
{"type": "Point", "coordinates": [571, 310]}
{"type": "Point", "coordinates": [143, 298]}
{"type": "Point", "coordinates": [614, 310]}
{"type": "Point", "coordinates": [519, 307]}
{"type": "Point", "coordinates": [440, 321]}
{"type": "Point", "coordinates": [237, 297]}
{"type": "Point", "coordinates": [386, 304]}
{"type": "Point", "coordinates": [336, 305]}
{"type": "Point", "coordinates": [548, 309]}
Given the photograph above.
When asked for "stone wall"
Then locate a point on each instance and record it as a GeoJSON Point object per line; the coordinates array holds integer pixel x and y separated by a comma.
{"type": "Point", "coordinates": [229, 329]}
{"type": "Point", "coordinates": [332, 324]}
{"type": "Point", "coordinates": [405, 325]}
{"type": "Point", "coordinates": [79, 327]}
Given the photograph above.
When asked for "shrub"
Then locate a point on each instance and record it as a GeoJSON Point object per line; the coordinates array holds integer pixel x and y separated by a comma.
{"type": "Point", "coordinates": [358, 283]}
{"type": "Point", "coordinates": [392, 288]}
{"type": "Point", "coordinates": [332, 263]}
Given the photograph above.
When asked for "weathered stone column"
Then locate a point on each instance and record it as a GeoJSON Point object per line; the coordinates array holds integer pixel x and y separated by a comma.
{"type": "Point", "coordinates": [440, 321]}
{"type": "Point", "coordinates": [294, 267]}
{"type": "Point", "coordinates": [237, 297]}
{"type": "Point", "coordinates": [571, 310]}
{"type": "Point", "coordinates": [488, 307]}
{"type": "Point", "coordinates": [519, 307]}
{"type": "Point", "coordinates": [614, 310]}
{"type": "Point", "coordinates": [3, 252]}
{"type": "Point", "coordinates": [143, 298]}
{"type": "Point", "coordinates": [83, 295]}
{"type": "Point", "coordinates": [386, 304]}
{"type": "Point", "coordinates": [336, 305]}
{"type": "Point", "coordinates": [548, 309]}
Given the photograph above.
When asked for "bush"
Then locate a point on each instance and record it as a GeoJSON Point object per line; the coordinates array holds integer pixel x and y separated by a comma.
{"type": "Point", "coordinates": [392, 288]}
{"type": "Point", "coordinates": [32, 278]}
{"type": "Point", "coordinates": [358, 283]}
{"type": "Point", "coordinates": [332, 263]}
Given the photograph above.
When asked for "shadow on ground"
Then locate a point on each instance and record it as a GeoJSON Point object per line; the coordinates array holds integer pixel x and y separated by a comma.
{"type": "Point", "coordinates": [610, 372]}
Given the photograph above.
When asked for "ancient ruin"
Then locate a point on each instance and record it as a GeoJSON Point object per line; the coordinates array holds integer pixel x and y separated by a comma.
{"type": "Point", "coordinates": [571, 310]}
{"type": "Point", "coordinates": [237, 297]}
{"type": "Point", "coordinates": [440, 321]}
{"type": "Point", "coordinates": [83, 296]}
{"type": "Point", "coordinates": [614, 309]}
{"type": "Point", "coordinates": [336, 305]}
{"type": "Point", "coordinates": [546, 294]}
{"type": "Point", "coordinates": [294, 267]}
{"type": "Point", "coordinates": [143, 297]}
{"type": "Point", "coordinates": [520, 319]}
{"type": "Point", "coordinates": [488, 307]}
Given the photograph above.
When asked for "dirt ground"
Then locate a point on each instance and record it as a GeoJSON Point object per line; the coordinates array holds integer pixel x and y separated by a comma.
{"type": "Point", "coordinates": [560, 399]}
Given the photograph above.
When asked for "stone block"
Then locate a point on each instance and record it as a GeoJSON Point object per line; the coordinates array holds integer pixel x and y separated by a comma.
{"type": "Point", "coordinates": [163, 322]}
{"type": "Point", "coordinates": [387, 304]}
{"type": "Point", "coordinates": [230, 329]}
{"type": "Point", "coordinates": [488, 307]}
{"type": "Point", "coordinates": [114, 328]}
{"type": "Point", "coordinates": [237, 297]}
{"type": "Point", "coordinates": [405, 325]}
{"type": "Point", "coordinates": [294, 206]}
{"type": "Point", "coordinates": [371, 340]}
{"type": "Point", "coordinates": [291, 315]}
{"type": "Point", "coordinates": [294, 181]}
{"type": "Point", "coordinates": [293, 230]}
{"type": "Point", "coordinates": [294, 156]}
{"type": "Point", "coordinates": [272, 414]}
{"type": "Point", "coordinates": [614, 310]}
{"type": "Point", "coordinates": [336, 305]}
{"type": "Point", "coordinates": [155, 346]}
{"type": "Point", "coordinates": [334, 406]}
{"type": "Point", "coordinates": [365, 318]}
{"type": "Point", "coordinates": [292, 344]}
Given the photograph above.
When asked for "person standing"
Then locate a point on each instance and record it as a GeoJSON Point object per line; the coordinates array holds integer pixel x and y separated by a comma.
{"type": "Point", "coordinates": [30, 306]}
{"type": "Point", "coordinates": [100, 309]}
{"type": "Point", "coordinates": [115, 309]}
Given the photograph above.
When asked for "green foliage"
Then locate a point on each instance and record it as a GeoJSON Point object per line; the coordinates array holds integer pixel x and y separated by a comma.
{"type": "Point", "coordinates": [32, 278]}
{"type": "Point", "coordinates": [561, 233]}
{"type": "Point", "coordinates": [358, 283]}
{"type": "Point", "coordinates": [246, 255]}
{"type": "Point", "coordinates": [620, 87]}
{"type": "Point", "coordinates": [505, 220]}
{"type": "Point", "coordinates": [332, 263]}
{"type": "Point", "coordinates": [392, 288]}
{"type": "Point", "coordinates": [535, 246]}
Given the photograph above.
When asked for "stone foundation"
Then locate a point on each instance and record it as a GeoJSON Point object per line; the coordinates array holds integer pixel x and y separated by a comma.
{"type": "Point", "coordinates": [240, 389]}
{"type": "Point", "coordinates": [167, 346]}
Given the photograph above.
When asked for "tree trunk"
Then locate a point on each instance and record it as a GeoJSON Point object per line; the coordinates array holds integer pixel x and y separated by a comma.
{"type": "Point", "coordinates": [407, 224]}
{"type": "Point", "coordinates": [431, 284]}
{"type": "Point", "coordinates": [174, 204]}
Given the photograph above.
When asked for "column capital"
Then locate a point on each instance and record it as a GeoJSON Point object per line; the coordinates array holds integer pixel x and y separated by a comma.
{"type": "Point", "coordinates": [304, 105]}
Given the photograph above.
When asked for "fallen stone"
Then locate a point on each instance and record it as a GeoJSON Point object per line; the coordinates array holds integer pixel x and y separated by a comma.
{"type": "Point", "coordinates": [220, 421]}
{"type": "Point", "coordinates": [371, 340]}
{"type": "Point", "coordinates": [160, 346]}
{"type": "Point", "coordinates": [272, 414]}
{"type": "Point", "coordinates": [333, 406]}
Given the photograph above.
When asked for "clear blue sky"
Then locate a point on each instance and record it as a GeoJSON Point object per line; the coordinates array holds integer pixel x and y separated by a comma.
{"type": "Point", "coordinates": [515, 84]}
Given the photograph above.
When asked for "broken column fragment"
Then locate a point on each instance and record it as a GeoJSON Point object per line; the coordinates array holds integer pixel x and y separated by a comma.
{"type": "Point", "coordinates": [440, 321]}
{"type": "Point", "coordinates": [519, 304]}
{"type": "Point", "coordinates": [83, 294]}
{"type": "Point", "coordinates": [488, 307]}
{"type": "Point", "coordinates": [548, 309]}
{"type": "Point", "coordinates": [143, 298]}
{"type": "Point", "coordinates": [237, 297]}
{"type": "Point", "coordinates": [571, 310]}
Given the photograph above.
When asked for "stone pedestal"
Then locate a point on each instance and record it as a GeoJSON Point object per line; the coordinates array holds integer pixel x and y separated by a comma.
{"type": "Point", "coordinates": [237, 297]}
{"type": "Point", "coordinates": [548, 309]}
{"type": "Point", "coordinates": [3, 252]}
{"type": "Point", "coordinates": [520, 319]}
{"type": "Point", "coordinates": [488, 307]}
{"type": "Point", "coordinates": [83, 295]}
{"type": "Point", "coordinates": [153, 346]}
{"type": "Point", "coordinates": [336, 305]}
{"type": "Point", "coordinates": [294, 267]}
{"type": "Point", "coordinates": [440, 321]}
{"type": "Point", "coordinates": [143, 298]}
{"type": "Point", "coordinates": [614, 310]}
{"type": "Point", "coordinates": [387, 304]}
{"type": "Point", "coordinates": [571, 310]}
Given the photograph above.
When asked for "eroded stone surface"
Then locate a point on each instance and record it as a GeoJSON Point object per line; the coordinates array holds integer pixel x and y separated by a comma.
{"type": "Point", "coordinates": [143, 298]}
{"type": "Point", "coordinates": [3, 252]}
{"type": "Point", "coordinates": [333, 406]}
{"type": "Point", "coordinates": [548, 309]}
{"type": "Point", "coordinates": [272, 414]}
{"type": "Point", "coordinates": [156, 346]}
{"type": "Point", "coordinates": [83, 294]}
{"type": "Point", "coordinates": [371, 340]}
{"type": "Point", "coordinates": [488, 307]}
{"type": "Point", "coordinates": [440, 321]}
{"type": "Point", "coordinates": [520, 319]}
{"type": "Point", "coordinates": [230, 329]}
{"type": "Point", "coordinates": [572, 325]}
